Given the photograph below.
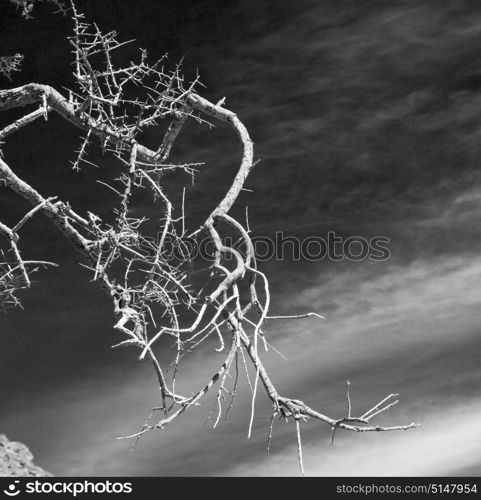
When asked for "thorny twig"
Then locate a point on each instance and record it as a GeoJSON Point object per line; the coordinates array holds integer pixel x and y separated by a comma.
{"type": "Point", "coordinates": [148, 277]}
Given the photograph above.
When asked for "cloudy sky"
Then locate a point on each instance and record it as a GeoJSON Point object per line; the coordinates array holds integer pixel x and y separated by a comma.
{"type": "Point", "coordinates": [366, 116]}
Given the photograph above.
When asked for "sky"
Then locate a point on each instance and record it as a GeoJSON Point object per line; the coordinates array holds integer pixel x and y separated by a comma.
{"type": "Point", "coordinates": [366, 119]}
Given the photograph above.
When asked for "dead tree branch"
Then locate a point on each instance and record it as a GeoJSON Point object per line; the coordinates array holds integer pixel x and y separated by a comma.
{"type": "Point", "coordinates": [152, 295]}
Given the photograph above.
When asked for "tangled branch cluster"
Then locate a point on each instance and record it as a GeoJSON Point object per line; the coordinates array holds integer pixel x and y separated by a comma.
{"type": "Point", "coordinates": [10, 64]}
{"type": "Point", "coordinates": [26, 6]}
{"type": "Point", "coordinates": [14, 270]}
{"type": "Point", "coordinates": [119, 103]}
{"type": "Point", "coordinates": [153, 296]}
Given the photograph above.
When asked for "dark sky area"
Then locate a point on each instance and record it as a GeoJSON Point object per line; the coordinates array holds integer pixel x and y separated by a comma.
{"type": "Point", "coordinates": [367, 119]}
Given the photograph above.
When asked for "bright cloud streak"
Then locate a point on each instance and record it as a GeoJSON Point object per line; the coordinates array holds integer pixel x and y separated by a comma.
{"type": "Point", "coordinates": [447, 442]}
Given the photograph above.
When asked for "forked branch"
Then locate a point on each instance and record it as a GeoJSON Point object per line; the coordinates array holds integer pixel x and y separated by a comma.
{"type": "Point", "coordinates": [148, 276]}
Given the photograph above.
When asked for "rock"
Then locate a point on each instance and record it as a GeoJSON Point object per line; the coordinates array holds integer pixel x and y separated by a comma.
{"type": "Point", "coordinates": [16, 460]}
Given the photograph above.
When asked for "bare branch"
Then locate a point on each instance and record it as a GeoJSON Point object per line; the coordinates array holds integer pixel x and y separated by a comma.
{"type": "Point", "coordinates": [147, 273]}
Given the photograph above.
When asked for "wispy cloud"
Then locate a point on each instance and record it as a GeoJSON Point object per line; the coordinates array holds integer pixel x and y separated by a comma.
{"type": "Point", "coordinates": [412, 329]}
